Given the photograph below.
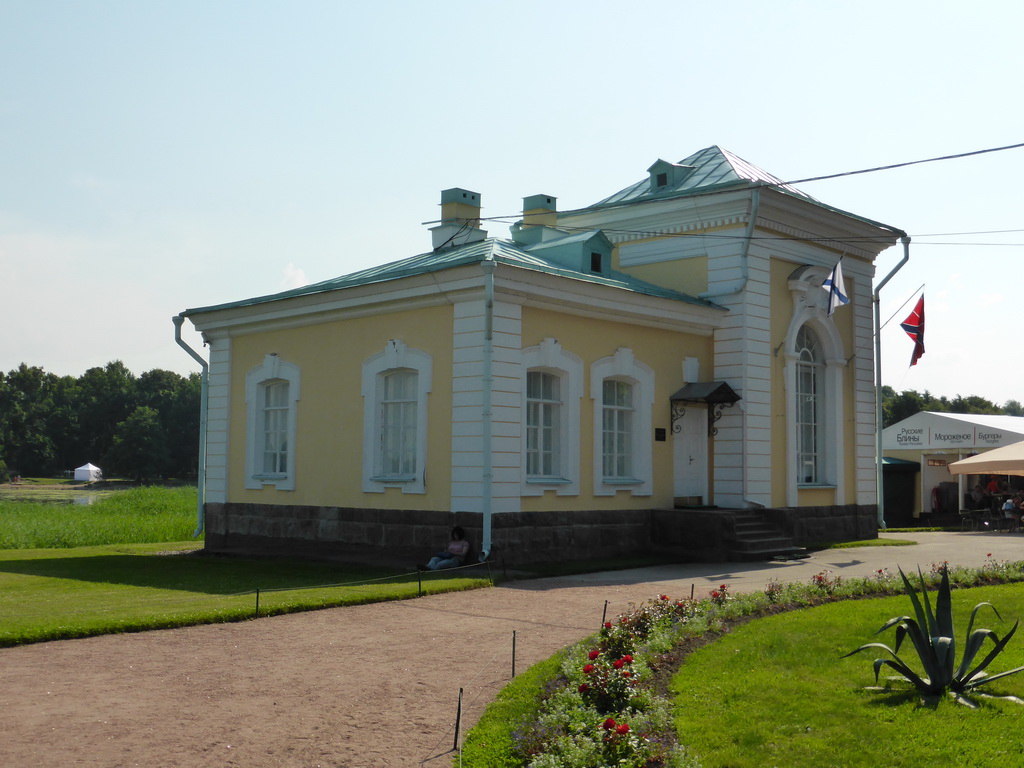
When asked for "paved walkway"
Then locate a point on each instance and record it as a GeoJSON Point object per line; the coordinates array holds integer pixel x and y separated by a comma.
{"type": "Point", "coordinates": [372, 686]}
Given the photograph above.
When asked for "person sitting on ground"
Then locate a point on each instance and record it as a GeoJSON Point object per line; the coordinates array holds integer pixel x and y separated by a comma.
{"type": "Point", "coordinates": [453, 555]}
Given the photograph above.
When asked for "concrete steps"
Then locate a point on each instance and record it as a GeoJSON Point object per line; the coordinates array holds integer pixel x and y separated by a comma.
{"type": "Point", "coordinates": [757, 539]}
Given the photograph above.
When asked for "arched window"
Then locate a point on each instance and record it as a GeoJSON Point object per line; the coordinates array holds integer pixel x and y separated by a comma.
{"type": "Point", "coordinates": [809, 406]}
{"type": "Point", "coordinates": [814, 373]}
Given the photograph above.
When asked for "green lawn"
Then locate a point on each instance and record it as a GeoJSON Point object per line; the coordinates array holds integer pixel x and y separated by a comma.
{"type": "Point", "coordinates": [775, 692]}
{"type": "Point", "coordinates": [48, 594]}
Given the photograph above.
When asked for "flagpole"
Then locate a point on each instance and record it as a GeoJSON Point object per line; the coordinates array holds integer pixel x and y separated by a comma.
{"type": "Point", "coordinates": [878, 381]}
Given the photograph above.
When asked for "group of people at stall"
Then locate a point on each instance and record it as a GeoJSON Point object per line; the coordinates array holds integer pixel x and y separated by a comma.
{"type": "Point", "coordinates": [996, 496]}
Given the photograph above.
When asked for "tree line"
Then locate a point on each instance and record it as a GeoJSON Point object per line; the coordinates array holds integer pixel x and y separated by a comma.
{"type": "Point", "coordinates": [896, 406]}
{"type": "Point", "coordinates": [138, 427]}
{"type": "Point", "coordinates": [147, 427]}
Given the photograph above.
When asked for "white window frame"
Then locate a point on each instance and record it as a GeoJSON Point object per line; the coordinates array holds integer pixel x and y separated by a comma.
{"type": "Point", "coordinates": [273, 370]}
{"type": "Point", "coordinates": [549, 357]}
{"type": "Point", "coordinates": [622, 366]}
{"type": "Point", "coordinates": [395, 358]}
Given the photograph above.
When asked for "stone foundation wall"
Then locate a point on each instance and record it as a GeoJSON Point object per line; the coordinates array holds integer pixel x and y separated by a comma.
{"type": "Point", "coordinates": [693, 535]}
{"type": "Point", "coordinates": [812, 525]}
{"type": "Point", "coordinates": [521, 538]}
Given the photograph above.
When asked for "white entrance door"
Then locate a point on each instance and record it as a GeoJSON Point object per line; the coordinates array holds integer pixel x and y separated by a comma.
{"type": "Point", "coordinates": [690, 453]}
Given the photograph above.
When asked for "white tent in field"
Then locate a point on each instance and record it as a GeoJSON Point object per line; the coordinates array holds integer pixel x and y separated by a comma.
{"type": "Point", "coordinates": [88, 472]}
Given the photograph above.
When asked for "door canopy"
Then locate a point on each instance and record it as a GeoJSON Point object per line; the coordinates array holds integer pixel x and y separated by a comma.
{"type": "Point", "coordinates": [716, 395]}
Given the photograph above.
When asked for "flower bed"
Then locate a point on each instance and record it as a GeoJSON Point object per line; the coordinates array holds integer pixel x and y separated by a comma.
{"type": "Point", "coordinates": [609, 703]}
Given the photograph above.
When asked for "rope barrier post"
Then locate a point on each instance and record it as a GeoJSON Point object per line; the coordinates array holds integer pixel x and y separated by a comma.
{"type": "Point", "coordinates": [419, 583]}
{"type": "Point", "coordinates": [458, 722]}
{"type": "Point", "coordinates": [513, 653]}
{"type": "Point", "coordinates": [692, 586]}
{"type": "Point", "coordinates": [604, 614]}
{"type": "Point", "coordinates": [257, 615]}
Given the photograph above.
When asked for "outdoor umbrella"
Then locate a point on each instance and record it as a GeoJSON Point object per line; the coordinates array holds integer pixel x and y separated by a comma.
{"type": "Point", "coordinates": [1008, 460]}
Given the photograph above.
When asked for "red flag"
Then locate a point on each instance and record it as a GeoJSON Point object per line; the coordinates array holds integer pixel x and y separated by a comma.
{"type": "Point", "coordinates": [914, 326]}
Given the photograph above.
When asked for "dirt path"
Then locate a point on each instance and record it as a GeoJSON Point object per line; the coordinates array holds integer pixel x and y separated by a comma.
{"type": "Point", "coordinates": [361, 687]}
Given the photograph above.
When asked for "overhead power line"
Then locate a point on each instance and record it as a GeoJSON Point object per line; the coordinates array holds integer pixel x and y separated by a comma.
{"type": "Point", "coordinates": [643, 233]}
{"type": "Point", "coordinates": [904, 165]}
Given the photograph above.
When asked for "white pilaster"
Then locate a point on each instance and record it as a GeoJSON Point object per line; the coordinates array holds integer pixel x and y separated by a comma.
{"type": "Point", "coordinates": [467, 485]}
{"type": "Point", "coordinates": [218, 397]}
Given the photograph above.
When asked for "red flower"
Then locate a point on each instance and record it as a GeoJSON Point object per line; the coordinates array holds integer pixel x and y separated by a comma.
{"type": "Point", "coordinates": [618, 663]}
{"type": "Point", "coordinates": [626, 673]}
{"type": "Point", "coordinates": [609, 724]}
{"type": "Point", "coordinates": [714, 594]}
{"type": "Point", "coordinates": [664, 597]}
{"type": "Point", "coordinates": [594, 654]}
{"type": "Point", "coordinates": [588, 668]}
{"type": "Point", "coordinates": [724, 587]}
{"type": "Point", "coordinates": [623, 728]}
{"type": "Point", "coordinates": [607, 625]}
{"type": "Point", "coordinates": [583, 688]}
{"type": "Point", "coordinates": [628, 659]}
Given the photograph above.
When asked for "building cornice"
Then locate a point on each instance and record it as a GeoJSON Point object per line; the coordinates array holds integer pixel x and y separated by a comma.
{"type": "Point", "coordinates": [459, 284]}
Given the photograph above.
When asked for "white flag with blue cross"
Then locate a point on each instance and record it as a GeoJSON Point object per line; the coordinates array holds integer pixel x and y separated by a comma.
{"type": "Point", "coordinates": [836, 288]}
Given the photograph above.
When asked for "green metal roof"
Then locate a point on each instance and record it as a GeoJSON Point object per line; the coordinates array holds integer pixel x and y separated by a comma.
{"type": "Point", "coordinates": [711, 168]}
{"type": "Point", "coordinates": [714, 169]}
{"type": "Point", "coordinates": [500, 251]}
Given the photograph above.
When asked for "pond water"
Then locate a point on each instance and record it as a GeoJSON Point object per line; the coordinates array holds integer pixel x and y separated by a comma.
{"type": "Point", "coordinates": [79, 499]}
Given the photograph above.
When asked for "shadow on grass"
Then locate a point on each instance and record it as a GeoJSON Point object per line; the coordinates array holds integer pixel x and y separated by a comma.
{"type": "Point", "coordinates": [194, 573]}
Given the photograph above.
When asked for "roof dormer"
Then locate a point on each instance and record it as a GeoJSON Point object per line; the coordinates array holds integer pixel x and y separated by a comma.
{"type": "Point", "coordinates": [666, 176]}
{"type": "Point", "coordinates": [586, 252]}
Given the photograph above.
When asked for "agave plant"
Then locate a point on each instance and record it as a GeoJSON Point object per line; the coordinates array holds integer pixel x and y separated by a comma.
{"type": "Point", "coordinates": [931, 633]}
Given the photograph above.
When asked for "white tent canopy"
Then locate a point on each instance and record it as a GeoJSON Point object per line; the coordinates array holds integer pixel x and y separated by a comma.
{"type": "Point", "coordinates": [88, 472]}
{"type": "Point", "coordinates": [1008, 460]}
{"type": "Point", "coordinates": [932, 430]}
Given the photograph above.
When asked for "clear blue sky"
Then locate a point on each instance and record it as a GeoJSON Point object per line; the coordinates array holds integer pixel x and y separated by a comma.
{"type": "Point", "coordinates": [161, 156]}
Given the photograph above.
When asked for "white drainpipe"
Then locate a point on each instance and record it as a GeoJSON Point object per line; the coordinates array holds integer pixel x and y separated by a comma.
{"type": "Point", "coordinates": [878, 381]}
{"type": "Point", "coordinates": [487, 415]}
{"type": "Point", "coordinates": [203, 397]}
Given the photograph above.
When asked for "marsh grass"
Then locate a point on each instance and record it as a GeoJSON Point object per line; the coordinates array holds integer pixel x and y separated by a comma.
{"type": "Point", "coordinates": [135, 515]}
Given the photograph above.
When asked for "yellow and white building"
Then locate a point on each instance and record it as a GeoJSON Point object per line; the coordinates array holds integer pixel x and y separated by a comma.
{"type": "Point", "coordinates": [619, 378]}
